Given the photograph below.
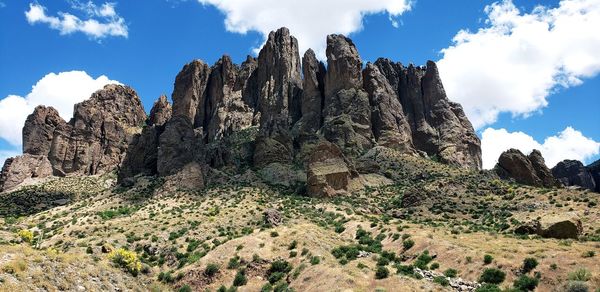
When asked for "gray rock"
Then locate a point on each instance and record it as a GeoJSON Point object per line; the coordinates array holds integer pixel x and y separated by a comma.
{"type": "Point", "coordinates": [573, 173]}
{"type": "Point", "coordinates": [161, 112]}
{"type": "Point", "coordinates": [529, 170]}
{"type": "Point", "coordinates": [16, 170]}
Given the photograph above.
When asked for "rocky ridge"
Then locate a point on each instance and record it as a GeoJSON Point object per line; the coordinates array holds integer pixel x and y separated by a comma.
{"type": "Point", "coordinates": [525, 169]}
{"type": "Point", "coordinates": [275, 108]}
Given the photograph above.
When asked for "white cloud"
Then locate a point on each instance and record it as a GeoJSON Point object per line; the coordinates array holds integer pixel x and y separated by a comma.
{"type": "Point", "coordinates": [61, 91]}
{"type": "Point", "coordinates": [568, 144]}
{"type": "Point", "coordinates": [103, 21]}
{"type": "Point", "coordinates": [310, 21]}
{"type": "Point", "coordinates": [518, 59]}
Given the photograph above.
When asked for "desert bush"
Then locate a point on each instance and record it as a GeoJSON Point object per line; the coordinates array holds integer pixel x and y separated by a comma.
{"type": "Point", "coordinates": [528, 265]}
{"type": "Point", "coordinates": [492, 276]}
{"type": "Point", "coordinates": [211, 270]}
{"type": "Point", "coordinates": [488, 288]}
{"type": "Point", "coordinates": [441, 280]}
{"type": "Point", "coordinates": [382, 273]}
{"type": "Point", "coordinates": [127, 260]}
{"type": "Point", "coordinates": [581, 274]}
{"type": "Point", "coordinates": [451, 273]}
{"type": "Point", "coordinates": [25, 235]}
{"type": "Point", "coordinates": [240, 279]}
{"type": "Point", "coordinates": [407, 244]}
{"type": "Point", "coordinates": [525, 283]}
{"type": "Point", "coordinates": [487, 259]}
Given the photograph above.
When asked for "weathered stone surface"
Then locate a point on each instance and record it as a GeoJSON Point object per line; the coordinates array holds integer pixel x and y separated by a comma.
{"type": "Point", "coordinates": [541, 170]}
{"type": "Point", "coordinates": [161, 112]}
{"type": "Point", "coordinates": [390, 126]}
{"type": "Point", "coordinates": [179, 145]}
{"type": "Point", "coordinates": [313, 71]}
{"type": "Point", "coordinates": [102, 128]}
{"type": "Point", "coordinates": [346, 111]}
{"type": "Point", "coordinates": [39, 130]}
{"type": "Point", "coordinates": [189, 92]}
{"type": "Point", "coordinates": [328, 173]}
{"type": "Point", "coordinates": [189, 177]}
{"type": "Point", "coordinates": [561, 226]}
{"type": "Point", "coordinates": [226, 110]}
{"type": "Point", "coordinates": [18, 169]}
{"type": "Point", "coordinates": [142, 155]}
{"type": "Point", "coordinates": [272, 217]}
{"type": "Point", "coordinates": [573, 173]}
{"type": "Point", "coordinates": [594, 170]}
{"type": "Point", "coordinates": [344, 65]}
{"type": "Point", "coordinates": [279, 86]}
{"type": "Point", "coordinates": [567, 225]}
{"type": "Point", "coordinates": [529, 170]}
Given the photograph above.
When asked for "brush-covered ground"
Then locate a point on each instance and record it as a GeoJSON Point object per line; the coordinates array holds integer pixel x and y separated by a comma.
{"type": "Point", "coordinates": [85, 234]}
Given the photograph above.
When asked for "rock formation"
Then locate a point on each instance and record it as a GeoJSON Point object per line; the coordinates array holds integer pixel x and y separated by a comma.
{"type": "Point", "coordinates": [267, 110]}
{"type": "Point", "coordinates": [328, 173]}
{"type": "Point", "coordinates": [573, 173]}
{"type": "Point", "coordinates": [594, 170]}
{"type": "Point", "coordinates": [161, 112]}
{"type": "Point", "coordinates": [529, 170]}
{"type": "Point", "coordinates": [561, 226]}
{"type": "Point", "coordinates": [94, 141]}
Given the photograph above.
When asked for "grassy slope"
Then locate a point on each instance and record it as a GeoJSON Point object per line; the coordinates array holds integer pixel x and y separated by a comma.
{"type": "Point", "coordinates": [459, 217]}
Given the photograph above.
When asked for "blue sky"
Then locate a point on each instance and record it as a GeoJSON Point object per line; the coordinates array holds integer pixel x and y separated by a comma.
{"type": "Point", "coordinates": [161, 36]}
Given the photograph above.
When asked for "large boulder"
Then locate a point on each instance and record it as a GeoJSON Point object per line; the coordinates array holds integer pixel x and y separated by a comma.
{"type": "Point", "coordinates": [560, 226]}
{"type": "Point", "coordinates": [573, 173]}
{"type": "Point", "coordinates": [530, 170]}
{"type": "Point", "coordinates": [328, 173]}
{"type": "Point", "coordinates": [18, 169]}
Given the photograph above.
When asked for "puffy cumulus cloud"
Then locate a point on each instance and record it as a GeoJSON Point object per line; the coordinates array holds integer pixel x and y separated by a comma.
{"type": "Point", "coordinates": [568, 144]}
{"type": "Point", "coordinates": [518, 59]}
{"type": "Point", "coordinates": [310, 21]}
{"type": "Point", "coordinates": [103, 20]}
{"type": "Point", "coordinates": [61, 91]}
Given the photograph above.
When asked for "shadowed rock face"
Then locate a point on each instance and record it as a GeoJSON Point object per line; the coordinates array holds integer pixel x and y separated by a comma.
{"type": "Point", "coordinates": [573, 173]}
{"type": "Point", "coordinates": [594, 170]}
{"type": "Point", "coordinates": [269, 109]}
{"type": "Point", "coordinates": [529, 170]}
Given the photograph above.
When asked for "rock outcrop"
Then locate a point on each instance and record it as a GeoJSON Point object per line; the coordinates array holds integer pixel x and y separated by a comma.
{"type": "Point", "coordinates": [594, 170]}
{"type": "Point", "coordinates": [18, 169]}
{"type": "Point", "coordinates": [328, 173]}
{"type": "Point", "coordinates": [529, 170]}
{"type": "Point", "coordinates": [161, 112]}
{"type": "Point", "coordinates": [573, 173]}
{"type": "Point", "coordinates": [94, 141]}
{"type": "Point", "coordinates": [561, 226]}
{"type": "Point", "coordinates": [267, 110]}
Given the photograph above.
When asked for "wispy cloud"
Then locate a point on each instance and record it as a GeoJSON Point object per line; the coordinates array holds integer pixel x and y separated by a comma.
{"type": "Point", "coordinates": [102, 21]}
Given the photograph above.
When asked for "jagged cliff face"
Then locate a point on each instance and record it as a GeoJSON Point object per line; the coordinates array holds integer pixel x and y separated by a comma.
{"type": "Point", "coordinates": [274, 108]}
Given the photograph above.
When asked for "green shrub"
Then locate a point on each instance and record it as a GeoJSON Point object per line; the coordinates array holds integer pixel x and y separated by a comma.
{"type": "Point", "coordinates": [211, 270]}
{"type": "Point", "coordinates": [274, 234]}
{"type": "Point", "coordinates": [576, 286]}
{"type": "Point", "coordinates": [315, 260]}
{"type": "Point", "coordinates": [441, 280]}
{"type": "Point", "coordinates": [487, 259]}
{"type": "Point", "coordinates": [589, 254]}
{"type": "Point", "coordinates": [240, 279]}
{"type": "Point", "coordinates": [528, 265]}
{"type": "Point", "coordinates": [434, 266]}
{"type": "Point", "coordinates": [492, 276]}
{"type": "Point", "coordinates": [423, 260]}
{"type": "Point", "coordinates": [278, 270]}
{"type": "Point", "coordinates": [293, 245]}
{"type": "Point", "coordinates": [488, 288]}
{"type": "Point", "coordinates": [382, 273]}
{"type": "Point", "coordinates": [408, 244]}
{"type": "Point", "coordinates": [381, 261]}
{"type": "Point", "coordinates": [581, 274]}
{"type": "Point", "coordinates": [451, 273]}
{"type": "Point", "coordinates": [185, 288]}
{"type": "Point", "coordinates": [234, 263]}
{"type": "Point", "coordinates": [405, 270]}
{"type": "Point", "coordinates": [525, 283]}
